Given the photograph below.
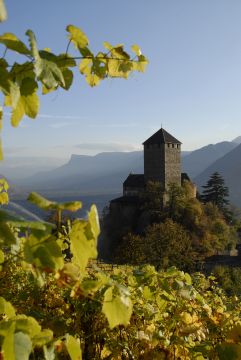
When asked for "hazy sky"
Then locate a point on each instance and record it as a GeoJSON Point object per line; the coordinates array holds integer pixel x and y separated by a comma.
{"type": "Point", "coordinates": [192, 85]}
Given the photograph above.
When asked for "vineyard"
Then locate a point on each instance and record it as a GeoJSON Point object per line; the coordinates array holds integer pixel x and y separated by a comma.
{"type": "Point", "coordinates": [57, 303]}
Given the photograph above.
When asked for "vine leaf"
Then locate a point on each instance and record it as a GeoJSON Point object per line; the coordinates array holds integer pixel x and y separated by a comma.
{"type": "Point", "coordinates": [24, 100]}
{"type": "Point", "coordinates": [46, 204]}
{"type": "Point", "coordinates": [73, 348]}
{"type": "Point", "coordinates": [83, 238]}
{"type": "Point", "coordinates": [117, 307]}
{"type": "Point", "coordinates": [43, 252]}
{"type": "Point", "coordinates": [4, 77]}
{"type": "Point", "coordinates": [8, 341]}
{"type": "Point", "coordinates": [22, 346]}
{"type": "Point", "coordinates": [135, 48]}
{"type": "Point", "coordinates": [47, 71]}
{"type": "Point", "coordinates": [13, 43]}
{"type": "Point", "coordinates": [141, 64]}
{"type": "Point", "coordinates": [94, 221]}
{"type": "Point", "coordinates": [6, 308]}
{"type": "Point", "coordinates": [77, 37]}
{"type": "Point", "coordinates": [83, 244]}
{"type": "Point", "coordinates": [44, 337]}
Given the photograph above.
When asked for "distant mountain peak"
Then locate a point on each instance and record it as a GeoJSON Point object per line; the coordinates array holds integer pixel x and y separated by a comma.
{"type": "Point", "coordinates": [237, 140]}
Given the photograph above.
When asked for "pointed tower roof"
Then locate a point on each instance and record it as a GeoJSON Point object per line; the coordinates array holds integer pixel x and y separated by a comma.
{"type": "Point", "coordinates": [161, 137]}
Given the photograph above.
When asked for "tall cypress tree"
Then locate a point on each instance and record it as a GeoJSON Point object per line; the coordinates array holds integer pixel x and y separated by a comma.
{"type": "Point", "coordinates": [215, 191]}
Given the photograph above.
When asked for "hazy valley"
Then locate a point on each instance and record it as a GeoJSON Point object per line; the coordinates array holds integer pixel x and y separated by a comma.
{"type": "Point", "coordinates": [99, 178]}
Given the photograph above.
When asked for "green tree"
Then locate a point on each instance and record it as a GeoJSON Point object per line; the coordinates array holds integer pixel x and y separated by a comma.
{"type": "Point", "coordinates": [163, 245]}
{"type": "Point", "coordinates": [215, 191]}
{"type": "Point", "coordinates": [169, 244]}
{"type": "Point", "coordinates": [152, 201]}
{"type": "Point", "coordinates": [229, 279]}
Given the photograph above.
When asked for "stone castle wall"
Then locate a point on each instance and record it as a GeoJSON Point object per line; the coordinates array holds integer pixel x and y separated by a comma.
{"type": "Point", "coordinates": [163, 163]}
{"type": "Point", "coordinates": [172, 164]}
{"type": "Point", "coordinates": [154, 159]}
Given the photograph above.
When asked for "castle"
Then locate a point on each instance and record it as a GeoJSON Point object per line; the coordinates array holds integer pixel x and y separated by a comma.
{"type": "Point", "coordinates": [162, 163]}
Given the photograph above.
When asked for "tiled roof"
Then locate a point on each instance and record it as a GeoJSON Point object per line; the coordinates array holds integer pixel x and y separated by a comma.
{"type": "Point", "coordinates": [135, 180]}
{"type": "Point", "coordinates": [161, 137]}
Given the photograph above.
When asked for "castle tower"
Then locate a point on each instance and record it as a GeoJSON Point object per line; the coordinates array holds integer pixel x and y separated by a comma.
{"type": "Point", "coordinates": [162, 159]}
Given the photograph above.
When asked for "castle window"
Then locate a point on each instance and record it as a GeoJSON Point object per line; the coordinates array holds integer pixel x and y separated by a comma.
{"type": "Point", "coordinates": [173, 145]}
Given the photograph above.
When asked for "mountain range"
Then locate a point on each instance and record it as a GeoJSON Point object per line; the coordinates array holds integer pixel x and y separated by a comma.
{"type": "Point", "coordinates": [104, 173]}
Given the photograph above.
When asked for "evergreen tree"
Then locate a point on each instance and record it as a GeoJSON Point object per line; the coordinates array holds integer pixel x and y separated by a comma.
{"type": "Point", "coordinates": [215, 191]}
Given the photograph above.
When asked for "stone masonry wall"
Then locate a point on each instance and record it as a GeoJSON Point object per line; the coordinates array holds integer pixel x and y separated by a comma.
{"type": "Point", "coordinates": [172, 164]}
{"type": "Point", "coordinates": [154, 160]}
{"type": "Point", "coordinates": [163, 163]}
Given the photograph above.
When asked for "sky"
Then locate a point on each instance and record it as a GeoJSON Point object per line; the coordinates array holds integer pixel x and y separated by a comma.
{"type": "Point", "coordinates": [192, 86]}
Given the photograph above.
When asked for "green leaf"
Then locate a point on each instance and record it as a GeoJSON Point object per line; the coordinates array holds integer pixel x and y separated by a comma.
{"type": "Point", "coordinates": [77, 37]}
{"type": "Point", "coordinates": [27, 325]}
{"type": "Point", "coordinates": [43, 338]}
{"type": "Point", "coordinates": [68, 78]}
{"type": "Point", "coordinates": [7, 236]}
{"type": "Point", "coordinates": [22, 346]}
{"type": "Point", "coordinates": [64, 61]}
{"type": "Point", "coordinates": [82, 243]}
{"type": "Point", "coordinates": [44, 252]}
{"type": "Point", "coordinates": [119, 53]}
{"type": "Point", "coordinates": [45, 204]}
{"type": "Point", "coordinates": [47, 71]}
{"type": "Point", "coordinates": [188, 279]}
{"type": "Point", "coordinates": [94, 221]}
{"type": "Point", "coordinates": [107, 45]}
{"type": "Point", "coordinates": [3, 11]}
{"type": "Point", "coordinates": [4, 185]}
{"type": "Point", "coordinates": [92, 80]}
{"type": "Point", "coordinates": [119, 68]}
{"type": "Point", "coordinates": [24, 100]}
{"type": "Point", "coordinates": [73, 347]}
{"type": "Point", "coordinates": [41, 202]}
{"type": "Point", "coordinates": [49, 353]}
{"type": "Point", "coordinates": [85, 66]}
{"type": "Point", "coordinates": [136, 50]}
{"type": "Point", "coordinates": [4, 77]}
{"type": "Point", "coordinates": [8, 350]}
{"type": "Point", "coordinates": [117, 308]}
{"type": "Point", "coordinates": [141, 64]}
{"type": "Point", "coordinates": [33, 225]}
{"type": "Point", "coordinates": [13, 43]}
{"type": "Point", "coordinates": [6, 308]}
{"type": "Point", "coordinates": [147, 294]}
{"type": "Point", "coordinates": [21, 71]}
